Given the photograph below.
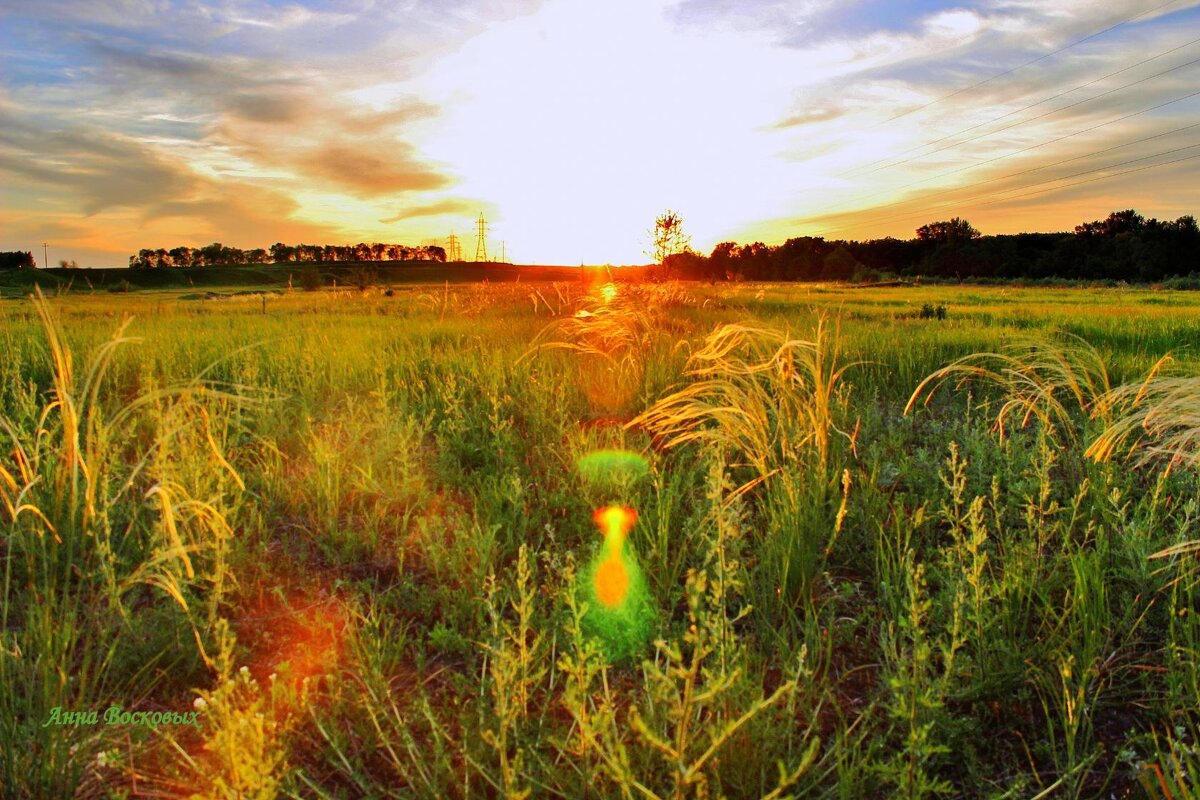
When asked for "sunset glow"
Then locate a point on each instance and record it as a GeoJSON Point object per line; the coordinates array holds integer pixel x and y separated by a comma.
{"type": "Point", "coordinates": [570, 124]}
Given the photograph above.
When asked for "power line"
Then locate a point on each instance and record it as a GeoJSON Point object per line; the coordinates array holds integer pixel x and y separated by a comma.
{"type": "Point", "coordinates": [1045, 143]}
{"type": "Point", "coordinates": [1090, 171]}
{"type": "Point", "coordinates": [1032, 119]}
{"type": "Point", "coordinates": [975, 201]}
{"type": "Point", "coordinates": [1093, 180]}
{"type": "Point", "coordinates": [1059, 139]}
{"type": "Point", "coordinates": [1027, 63]}
{"type": "Point", "coordinates": [1026, 108]}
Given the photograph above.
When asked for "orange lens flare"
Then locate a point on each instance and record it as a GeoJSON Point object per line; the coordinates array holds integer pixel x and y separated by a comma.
{"type": "Point", "coordinates": [612, 577]}
{"type": "Point", "coordinates": [615, 521]}
{"type": "Point", "coordinates": [612, 582]}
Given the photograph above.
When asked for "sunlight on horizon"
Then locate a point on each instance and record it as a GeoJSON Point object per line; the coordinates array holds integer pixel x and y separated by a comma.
{"type": "Point", "coordinates": [571, 125]}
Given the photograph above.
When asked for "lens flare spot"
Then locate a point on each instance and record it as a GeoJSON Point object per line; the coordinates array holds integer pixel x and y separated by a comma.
{"type": "Point", "coordinates": [612, 466]}
{"type": "Point", "coordinates": [619, 613]}
{"type": "Point", "coordinates": [609, 292]}
{"type": "Point", "coordinates": [615, 522]}
{"type": "Point", "coordinates": [612, 582]}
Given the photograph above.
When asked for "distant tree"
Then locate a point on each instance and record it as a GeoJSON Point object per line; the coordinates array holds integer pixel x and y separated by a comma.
{"type": "Point", "coordinates": [720, 262]}
{"type": "Point", "coordinates": [281, 252]}
{"type": "Point", "coordinates": [667, 236]}
{"type": "Point", "coordinates": [801, 258]}
{"type": "Point", "coordinates": [687, 264]}
{"type": "Point", "coordinates": [256, 256]}
{"type": "Point", "coordinates": [210, 254]}
{"type": "Point", "coordinates": [1127, 221]}
{"type": "Point", "coordinates": [753, 260]}
{"type": "Point", "coordinates": [723, 251]}
{"type": "Point", "coordinates": [181, 256]}
{"type": "Point", "coordinates": [17, 259]}
{"type": "Point", "coordinates": [840, 265]}
{"type": "Point", "coordinates": [952, 231]}
{"type": "Point", "coordinates": [145, 259]}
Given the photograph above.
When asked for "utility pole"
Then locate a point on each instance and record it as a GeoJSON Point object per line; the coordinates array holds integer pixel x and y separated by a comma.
{"type": "Point", "coordinates": [503, 259]}
{"type": "Point", "coordinates": [45, 255]}
{"type": "Point", "coordinates": [481, 239]}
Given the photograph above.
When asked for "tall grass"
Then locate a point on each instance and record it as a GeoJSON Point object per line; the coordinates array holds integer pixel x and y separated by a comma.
{"type": "Point", "coordinates": [1058, 382]}
{"type": "Point", "coordinates": [851, 601]}
{"type": "Point", "coordinates": [770, 405]}
{"type": "Point", "coordinates": [758, 394]}
{"type": "Point", "coordinates": [97, 522]}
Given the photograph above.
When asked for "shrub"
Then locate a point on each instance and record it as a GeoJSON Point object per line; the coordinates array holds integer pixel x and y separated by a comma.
{"type": "Point", "coordinates": [311, 279]}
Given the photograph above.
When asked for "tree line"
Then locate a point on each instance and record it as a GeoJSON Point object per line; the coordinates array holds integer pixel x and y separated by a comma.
{"type": "Point", "coordinates": [1124, 247]}
{"type": "Point", "coordinates": [279, 253]}
{"type": "Point", "coordinates": [17, 259]}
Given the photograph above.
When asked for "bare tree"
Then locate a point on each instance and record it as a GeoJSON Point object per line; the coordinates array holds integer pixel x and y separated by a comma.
{"type": "Point", "coordinates": [667, 237]}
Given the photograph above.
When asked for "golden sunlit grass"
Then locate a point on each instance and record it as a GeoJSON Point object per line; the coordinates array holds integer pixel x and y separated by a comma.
{"type": "Point", "coordinates": [1050, 381]}
{"type": "Point", "coordinates": [92, 520]}
{"type": "Point", "coordinates": [759, 394]}
{"type": "Point", "coordinates": [851, 585]}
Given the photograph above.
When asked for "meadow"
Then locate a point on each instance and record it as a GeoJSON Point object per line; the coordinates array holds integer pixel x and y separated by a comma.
{"type": "Point", "coordinates": [896, 542]}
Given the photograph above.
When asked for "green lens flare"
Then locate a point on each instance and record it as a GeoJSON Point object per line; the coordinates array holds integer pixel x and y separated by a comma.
{"type": "Point", "coordinates": [612, 466]}
{"type": "Point", "coordinates": [612, 586]}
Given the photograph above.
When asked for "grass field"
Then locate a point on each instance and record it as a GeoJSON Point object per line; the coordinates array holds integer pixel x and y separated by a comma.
{"type": "Point", "coordinates": [347, 529]}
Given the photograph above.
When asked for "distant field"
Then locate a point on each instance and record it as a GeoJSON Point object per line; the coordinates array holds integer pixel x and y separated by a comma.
{"type": "Point", "coordinates": [372, 501]}
{"type": "Point", "coordinates": [17, 282]}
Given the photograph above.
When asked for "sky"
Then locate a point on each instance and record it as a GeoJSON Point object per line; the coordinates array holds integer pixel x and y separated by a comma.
{"type": "Point", "coordinates": [571, 124]}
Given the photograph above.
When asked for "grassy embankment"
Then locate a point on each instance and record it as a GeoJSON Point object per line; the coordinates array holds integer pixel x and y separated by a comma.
{"type": "Point", "coordinates": [371, 503]}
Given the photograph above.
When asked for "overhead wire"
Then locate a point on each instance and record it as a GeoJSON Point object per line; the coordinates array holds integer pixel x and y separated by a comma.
{"type": "Point", "coordinates": [983, 199]}
{"type": "Point", "coordinates": [1035, 118]}
{"type": "Point", "coordinates": [1047, 142]}
{"type": "Point", "coordinates": [1024, 108]}
{"type": "Point", "coordinates": [1041, 58]}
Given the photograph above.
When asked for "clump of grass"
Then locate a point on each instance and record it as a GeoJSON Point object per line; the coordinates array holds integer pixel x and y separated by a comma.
{"type": "Point", "coordinates": [1173, 773]}
{"type": "Point", "coordinates": [758, 394]}
{"type": "Point", "coordinates": [244, 754]}
{"type": "Point", "coordinates": [96, 525]}
{"type": "Point", "coordinates": [1161, 421]}
{"type": "Point", "coordinates": [516, 666]}
{"type": "Point", "coordinates": [769, 404]}
{"type": "Point", "coordinates": [610, 332]}
{"type": "Point", "coordinates": [1059, 383]}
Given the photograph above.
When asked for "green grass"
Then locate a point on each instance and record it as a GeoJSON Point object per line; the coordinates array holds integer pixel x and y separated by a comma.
{"type": "Point", "coordinates": [885, 554]}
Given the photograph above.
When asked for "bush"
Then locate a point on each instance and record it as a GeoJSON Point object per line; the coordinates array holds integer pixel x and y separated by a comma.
{"type": "Point", "coordinates": [364, 278]}
{"type": "Point", "coordinates": [311, 279]}
{"type": "Point", "coordinates": [1189, 282]}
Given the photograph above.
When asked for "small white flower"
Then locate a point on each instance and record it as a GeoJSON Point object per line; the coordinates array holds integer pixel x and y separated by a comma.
{"type": "Point", "coordinates": [199, 704]}
{"type": "Point", "coordinates": [244, 670]}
